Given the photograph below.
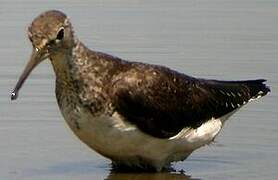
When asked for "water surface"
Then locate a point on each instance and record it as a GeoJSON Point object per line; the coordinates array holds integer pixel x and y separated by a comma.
{"type": "Point", "coordinates": [230, 39]}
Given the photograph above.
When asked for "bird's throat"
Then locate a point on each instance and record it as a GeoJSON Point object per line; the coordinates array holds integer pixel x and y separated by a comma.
{"type": "Point", "coordinates": [61, 65]}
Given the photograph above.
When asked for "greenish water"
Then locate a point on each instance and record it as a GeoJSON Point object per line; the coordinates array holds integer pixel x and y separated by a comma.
{"type": "Point", "coordinates": [230, 39]}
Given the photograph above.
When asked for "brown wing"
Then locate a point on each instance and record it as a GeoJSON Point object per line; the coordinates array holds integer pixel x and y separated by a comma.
{"type": "Point", "coordinates": [161, 102]}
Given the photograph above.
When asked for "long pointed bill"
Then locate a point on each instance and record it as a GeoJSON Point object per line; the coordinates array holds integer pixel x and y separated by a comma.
{"type": "Point", "coordinates": [36, 57]}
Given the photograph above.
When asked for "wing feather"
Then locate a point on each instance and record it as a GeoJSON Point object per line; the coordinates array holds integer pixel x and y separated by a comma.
{"type": "Point", "coordinates": [161, 102]}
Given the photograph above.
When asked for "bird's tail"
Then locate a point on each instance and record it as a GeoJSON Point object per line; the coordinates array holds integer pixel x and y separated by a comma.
{"type": "Point", "coordinates": [233, 94]}
{"type": "Point", "coordinates": [227, 96]}
{"type": "Point", "coordinates": [256, 88]}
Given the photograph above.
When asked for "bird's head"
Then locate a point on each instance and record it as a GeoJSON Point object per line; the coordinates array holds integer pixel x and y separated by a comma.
{"type": "Point", "coordinates": [50, 33]}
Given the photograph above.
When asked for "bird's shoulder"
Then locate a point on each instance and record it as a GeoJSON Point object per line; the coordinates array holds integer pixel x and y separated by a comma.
{"type": "Point", "coordinates": [156, 99]}
{"type": "Point", "coordinates": [151, 81]}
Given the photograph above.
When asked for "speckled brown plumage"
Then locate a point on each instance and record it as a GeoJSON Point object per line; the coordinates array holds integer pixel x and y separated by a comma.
{"type": "Point", "coordinates": [94, 87]}
{"type": "Point", "coordinates": [158, 100]}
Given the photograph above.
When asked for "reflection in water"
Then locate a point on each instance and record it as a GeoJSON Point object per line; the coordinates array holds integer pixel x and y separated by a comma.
{"type": "Point", "coordinates": [133, 174]}
{"type": "Point", "coordinates": [96, 170]}
{"type": "Point", "coordinates": [148, 176]}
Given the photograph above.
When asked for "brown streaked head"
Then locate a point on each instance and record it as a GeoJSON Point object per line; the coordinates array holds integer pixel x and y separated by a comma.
{"type": "Point", "coordinates": [49, 33]}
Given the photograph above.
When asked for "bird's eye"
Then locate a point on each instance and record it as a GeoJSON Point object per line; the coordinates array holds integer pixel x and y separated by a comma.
{"type": "Point", "coordinates": [60, 34]}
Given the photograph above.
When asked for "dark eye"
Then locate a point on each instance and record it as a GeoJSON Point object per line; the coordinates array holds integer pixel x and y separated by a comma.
{"type": "Point", "coordinates": [60, 34]}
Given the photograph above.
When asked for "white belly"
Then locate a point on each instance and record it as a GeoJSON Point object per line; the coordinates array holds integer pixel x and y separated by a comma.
{"type": "Point", "coordinates": [122, 141]}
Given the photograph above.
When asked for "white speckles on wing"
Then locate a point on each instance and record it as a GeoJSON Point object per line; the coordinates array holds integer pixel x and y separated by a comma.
{"type": "Point", "coordinates": [256, 97]}
{"type": "Point", "coordinates": [233, 106]}
{"type": "Point", "coordinates": [222, 92]}
{"type": "Point", "coordinates": [233, 94]}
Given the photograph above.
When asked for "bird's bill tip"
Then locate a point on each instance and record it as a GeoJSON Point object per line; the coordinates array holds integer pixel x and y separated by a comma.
{"type": "Point", "coordinates": [14, 95]}
{"type": "Point", "coordinates": [36, 57]}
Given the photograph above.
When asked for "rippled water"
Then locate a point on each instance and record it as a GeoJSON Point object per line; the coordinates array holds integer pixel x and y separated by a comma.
{"type": "Point", "coordinates": [230, 39]}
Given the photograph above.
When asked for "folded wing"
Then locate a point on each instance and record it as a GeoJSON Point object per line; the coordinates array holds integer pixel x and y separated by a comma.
{"type": "Point", "coordinates": [161, 102]}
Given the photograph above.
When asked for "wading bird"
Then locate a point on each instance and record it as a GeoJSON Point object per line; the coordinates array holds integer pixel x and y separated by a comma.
{"type": "Point", "coordinates": [138, 115]}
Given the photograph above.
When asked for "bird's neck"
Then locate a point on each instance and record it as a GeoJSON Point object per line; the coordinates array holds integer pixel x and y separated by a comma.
{"type": "Point", "coordinates": [62, 66]}
{"type": "Point", "coordinates": [60, 62]}
{"type": "Point", "coordinates": [79, 68]}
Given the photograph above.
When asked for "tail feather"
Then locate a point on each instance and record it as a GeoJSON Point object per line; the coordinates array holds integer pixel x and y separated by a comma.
{"type": "Point", "coordinates": [227, 96]}
{"type": "Point", "coordinates": [219, 99]}
{"type": "Point", "coordinates": [255, 88]}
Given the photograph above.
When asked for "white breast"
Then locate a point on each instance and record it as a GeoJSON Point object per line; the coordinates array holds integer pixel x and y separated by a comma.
{"type": "Point", "coordinates": [122, 141]}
